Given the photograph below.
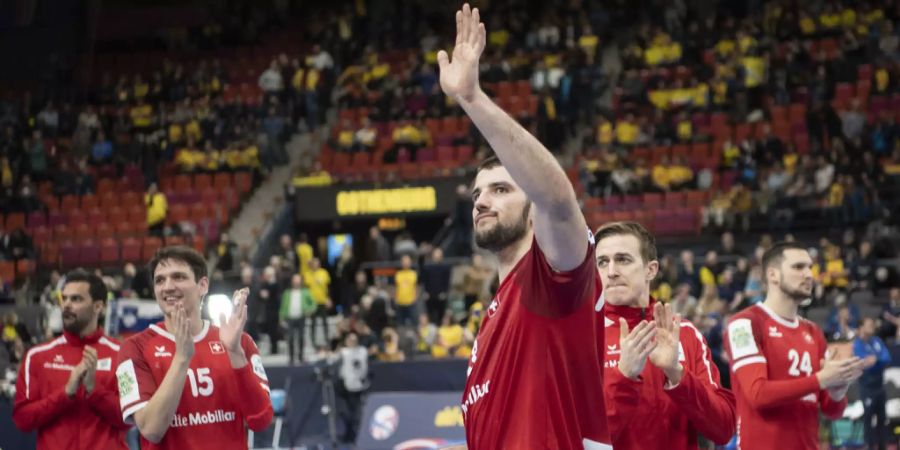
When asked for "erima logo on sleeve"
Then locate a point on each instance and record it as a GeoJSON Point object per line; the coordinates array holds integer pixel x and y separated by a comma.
{"type": "Point", "coordinates": [740, 337]}
{"type": "Point", "coordinates": [128, 384]}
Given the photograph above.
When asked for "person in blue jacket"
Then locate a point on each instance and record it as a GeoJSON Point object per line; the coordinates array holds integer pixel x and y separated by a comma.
{"type": "Point", "coordinates": [874, 353]}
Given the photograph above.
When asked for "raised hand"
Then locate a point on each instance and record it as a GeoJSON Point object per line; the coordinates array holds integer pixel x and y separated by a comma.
{"type": "Point", "coordinates": [636, 347]}
{"type": "Point", "coordinates": [668, 336]}
{"type": "Point", "coordinates": [459, 76]}
{"type": "Point", "coordinates": [184, 340]}
{"type": "Point", "coordinates": [231, 329]}
{"type": "Point", "coordinates": [89, 360]}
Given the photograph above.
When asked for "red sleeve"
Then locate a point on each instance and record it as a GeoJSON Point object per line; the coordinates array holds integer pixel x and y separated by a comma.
{"type": "Point", "coordinates": [750, 369]}
{"type": "Point", "coordinates": [104, 402]}
{"type": "Point", "coordinates": [556, 294]}
{"type": "Point", "coordinates": [134, 378]}
{"type": "Point", "coordinates": [253, 384]}
{"type": "Point", "coordinates": [35, 407]}
{"type": "Point", "coordinates": [699, 395]}
{"type": "Point", "coordinates": [623, 397]}
{"type": "Point", "coordinates": [831, 408]}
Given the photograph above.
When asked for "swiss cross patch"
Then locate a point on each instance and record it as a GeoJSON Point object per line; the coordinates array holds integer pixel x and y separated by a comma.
{"type": "Point", "coordinates": [216, 347]}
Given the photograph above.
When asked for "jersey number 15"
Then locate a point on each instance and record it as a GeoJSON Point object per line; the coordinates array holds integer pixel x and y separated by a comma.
{"type": "Point", "coordinates": [201, 382]}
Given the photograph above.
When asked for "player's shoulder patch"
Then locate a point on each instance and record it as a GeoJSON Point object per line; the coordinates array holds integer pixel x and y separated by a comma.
{"type": "Point", "coordinates": [591, 240]}
{"type": "Point", "coordinates": [740, 338]}
{"type": "Point", "coordinates": [258, 369]}
{"type": "Point", "coordinates": [127, 381]}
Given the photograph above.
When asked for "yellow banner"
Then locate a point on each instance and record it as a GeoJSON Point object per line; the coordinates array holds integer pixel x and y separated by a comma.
{"type": "Point", "coordinates": [386, 201]}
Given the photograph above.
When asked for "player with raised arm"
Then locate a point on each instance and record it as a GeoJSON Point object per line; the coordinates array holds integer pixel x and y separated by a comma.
{"type": "Point", "coordinates": [66, 388]}
{"type": "Point", "coordinates": [185, 383]}
{"type": "Point", "coordinates": [664, 404]}
{"type": "Point", "coordinates": [535, 376]}
{"type": "Point", "coordinates": [780, 374]}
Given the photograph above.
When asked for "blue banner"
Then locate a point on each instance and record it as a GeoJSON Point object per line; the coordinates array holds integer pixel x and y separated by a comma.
{"type": "Point", "coordinates": [411, 421]}
{"type": "Point", "coordinates": [131, 316]}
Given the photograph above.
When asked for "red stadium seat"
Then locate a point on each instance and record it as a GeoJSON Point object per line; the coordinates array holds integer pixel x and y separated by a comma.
{"type": "Point", "coordinates": [90, 252]}
{"type": "Point", "coordinates": [7, 271]}
{"type": "Point", "coordinates": [109, 251]}
{"type": "Point", "coordinates": [149, 246]}
{"type": "Point", "coordinates": [14, 221]}
{"type": "Point", "coordinates": [202, 181]}
{"type": "Point", "coordinates": [243, 181]}
{"type": "Point", "coordinates": [222, 180]}
{"type": "Point", "coordinates": [37, 219]}
{"type": "Point", "coordinates": [652, 200]}
{"type": "Point", "coordinates": [131, 250]}
{"type": "Point", "coordinates": [89, 201]}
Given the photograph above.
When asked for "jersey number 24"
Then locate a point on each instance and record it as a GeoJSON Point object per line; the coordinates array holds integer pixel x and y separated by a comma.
{"type": "Point", "coordinates": [799, 363]}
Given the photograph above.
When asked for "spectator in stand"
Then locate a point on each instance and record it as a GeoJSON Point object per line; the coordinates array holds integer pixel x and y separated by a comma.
{"type": "Point", "coordinates": [390, 351]}
{"type": "Point", "coordinates": [377, 247]}
{"type": "Point", "coordinates": [427, 332]}
{"type": "Point", "coordinates": [157, 209]}
{"type": "Point", "coordinates": [862, 270]}
{"type": "Point", "coordinates": [37, 156]}
{"type": "Point", "coordinates": [271, 81]}
{"type": "Point", "coordinates": [297, 307]}
{"type": "Point", "coordinates": [101, 151]}
{"type": "Point", "coordinates": [843, 320]}
{"type": "Point", "coordinates": [835, 274]}
{"type": "Point", "coordinates": [270, 294]}
{"type": "Point", "coordinates": [366, 137]}
{"type": "Point", "coordinates": [344, 274]}
{"type": "Point", "coordinates": [475, 279]}
{"type": "Point", "coordinates": [683, 303]}
{"type": "Point", "coordinates": [436, 283]}
{"type": "Point", "coordinates": [404, 245]}
{"type": "Point", "coordinates": [874, 354]}
{"type": "Point", "coordinates": [451, 340]}
{"type": "Point", "coordinates": [406, 283]}
{"type": "Point", "coordinates": [318, 281]}
{"type": "Point", "coordinates": [890, 313]}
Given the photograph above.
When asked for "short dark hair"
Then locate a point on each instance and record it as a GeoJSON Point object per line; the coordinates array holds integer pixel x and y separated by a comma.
{"type": "Point", "coordinates": [628, 228]}
{"type": "Point", "coordinates": [489, 163]}
{"type": "Point", "coordinates": [182, 253]}
{"type": "Point", "coordinates": [96, 287]}
{"type": "Point", "coordinates": [774, 256]}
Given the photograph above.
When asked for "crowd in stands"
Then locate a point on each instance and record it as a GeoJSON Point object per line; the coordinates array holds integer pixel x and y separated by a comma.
{"type": "Point", "coordinates": [790, 109]}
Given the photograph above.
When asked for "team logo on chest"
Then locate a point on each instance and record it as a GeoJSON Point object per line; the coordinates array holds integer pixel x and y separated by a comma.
{"type": "Point", "coordinates": [161, 351]}
{"type": "Point", "coordinates": [807, 338]}
{"type": "Point", "coordinates": [773, 332]}
{"type": "Point", "coordinates": [216, 347]}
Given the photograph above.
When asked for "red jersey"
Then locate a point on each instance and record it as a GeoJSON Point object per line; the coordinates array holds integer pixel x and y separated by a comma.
{"type": "Point", "coordinates": [216, 400]}
{"type": "Point", "coordinates": [535, 376]}
{"type": "Point", "coordinates": [85, 421]}
{"type": "Point", "coordinates": [647, 413]}
{"type": "Point", "coordinates": [774, 363]}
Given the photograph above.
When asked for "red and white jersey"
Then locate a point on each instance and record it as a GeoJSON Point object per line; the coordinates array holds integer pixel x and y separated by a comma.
{"type": "Point", "coordinates": [774, 362]}
{"type": "Point", "coordinates": [216, 400]}
{"type": "Point", "coordinates": [83, 421]}
{"type": "Point", "coordinates": [648, 413]}
{"type": "Point", "coordinates": [535, 377]}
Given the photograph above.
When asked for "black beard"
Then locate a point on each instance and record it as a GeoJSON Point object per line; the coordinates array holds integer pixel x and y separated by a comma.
{"type": "Point", "coordinates": [501, 236]}
{"type": "Point", "coordinates": [76, 326]}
